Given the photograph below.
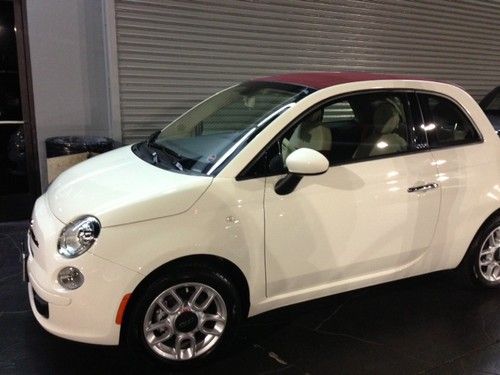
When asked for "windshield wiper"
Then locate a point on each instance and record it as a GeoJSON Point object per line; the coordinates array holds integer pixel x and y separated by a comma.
{"type": "Point", "coordinates": [166, 150]}
{"type": "Point", "coordinates": [174, 156]}
{"type": "Point", "coordinates": [149, 142]}
{"type": "Point", "coordinates": [153, 137]}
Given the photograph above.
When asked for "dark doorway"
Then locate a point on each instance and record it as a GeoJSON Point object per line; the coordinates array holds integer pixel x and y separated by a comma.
{"type": "Point", "coordinates": [19, 177]}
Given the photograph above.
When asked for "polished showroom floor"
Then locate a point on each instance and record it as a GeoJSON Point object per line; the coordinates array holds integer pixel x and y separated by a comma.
{"type": "Point", "coordinates": [423, 325]}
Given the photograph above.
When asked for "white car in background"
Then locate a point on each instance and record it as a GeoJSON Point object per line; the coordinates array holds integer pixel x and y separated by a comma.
{"type": "Point", "coordinates": [272, 192]}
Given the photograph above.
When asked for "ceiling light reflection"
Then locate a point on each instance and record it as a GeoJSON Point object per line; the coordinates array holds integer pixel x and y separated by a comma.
{"type": "Point", "coordinates": [493, 196]}
{"type": "Point", "coordinates": [429, 127]}
{"type": "Point", "coordinates": [442, 177]}
{"type": "Point", "coordinates": [438, 162]}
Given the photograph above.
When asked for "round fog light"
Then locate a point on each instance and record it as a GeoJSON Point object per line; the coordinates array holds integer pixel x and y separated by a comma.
{"type": "Point", "coordinates": [70, 278]}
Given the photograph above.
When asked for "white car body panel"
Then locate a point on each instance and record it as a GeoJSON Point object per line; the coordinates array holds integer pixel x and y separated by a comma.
{"type": "Point", "coordinates": [74, 314]}
{"type": "Point", "coordinates": [151, 217]}
{"type": "Point", "coordinates": [230, 222]}
{"type": "Point", "coordinates": [117, 187]}
{"type": "Point", "coordinates": [354, 220]}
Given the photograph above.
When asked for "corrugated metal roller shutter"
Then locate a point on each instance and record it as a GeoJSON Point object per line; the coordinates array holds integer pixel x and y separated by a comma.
{"type": "Point", "coordinates": [172, 54]}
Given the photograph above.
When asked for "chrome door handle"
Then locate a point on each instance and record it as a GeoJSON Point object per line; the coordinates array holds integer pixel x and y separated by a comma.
{"type": "Point", "coordinates": [425, 187]}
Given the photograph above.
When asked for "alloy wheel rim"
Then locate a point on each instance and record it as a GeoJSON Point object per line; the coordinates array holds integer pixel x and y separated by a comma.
{"type": "Point", "coordinates": [489, 257]}
{"type": "Point", "coordinates": [185, 321]}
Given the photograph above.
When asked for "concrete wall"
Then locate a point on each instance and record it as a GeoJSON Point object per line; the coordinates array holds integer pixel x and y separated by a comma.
{"type": "Point", "coordinates": [68, 65]}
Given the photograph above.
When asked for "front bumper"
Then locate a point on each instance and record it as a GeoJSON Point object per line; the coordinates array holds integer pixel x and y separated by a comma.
{"type": "Point", "coordinates": [86, 314]}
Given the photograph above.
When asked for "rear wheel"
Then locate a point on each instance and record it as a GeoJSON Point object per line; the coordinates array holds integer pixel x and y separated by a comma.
{"type": "Point", "coordinates": [481, 265]}
{"type": "Point", "coordinates": [184, 318]}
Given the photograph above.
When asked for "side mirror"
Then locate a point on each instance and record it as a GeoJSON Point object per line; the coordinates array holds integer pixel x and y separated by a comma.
{"type": "Point", "coordinates": [306, 162]}
{"type": "Point", "coordinates": [300, 163]}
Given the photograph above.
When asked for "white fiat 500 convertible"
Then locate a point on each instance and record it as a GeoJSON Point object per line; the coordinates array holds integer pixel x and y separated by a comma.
{"type": "Point", "coordinates": [271, 192]}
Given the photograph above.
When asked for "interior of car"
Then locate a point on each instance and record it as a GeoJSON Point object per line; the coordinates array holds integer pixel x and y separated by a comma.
{"type": "Point", "coordinates": [355, 128]}
{"type": "Point", "coordinates": [449, 124]}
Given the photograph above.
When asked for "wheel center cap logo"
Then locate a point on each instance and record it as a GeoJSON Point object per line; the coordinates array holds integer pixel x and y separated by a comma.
{"type": "Point", "coordinates": [186, 322]}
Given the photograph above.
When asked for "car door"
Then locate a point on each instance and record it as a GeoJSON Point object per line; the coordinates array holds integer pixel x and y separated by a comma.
{"type": "Point", "coordinates": [373, 211]}
{"type": "Point", "coordinates": [462, 161]}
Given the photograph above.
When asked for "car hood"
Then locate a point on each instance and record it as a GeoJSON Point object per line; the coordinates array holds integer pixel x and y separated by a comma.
{"type": "Point", "coordinates": [118, 188]}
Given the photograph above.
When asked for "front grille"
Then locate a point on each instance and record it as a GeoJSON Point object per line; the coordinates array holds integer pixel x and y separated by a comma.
{"type": "Point", "coordinates": [41, 305]}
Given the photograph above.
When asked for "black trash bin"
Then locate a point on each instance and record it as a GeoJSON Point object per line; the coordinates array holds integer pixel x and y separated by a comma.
{"type": "Point", "coordinates": [64, 152]}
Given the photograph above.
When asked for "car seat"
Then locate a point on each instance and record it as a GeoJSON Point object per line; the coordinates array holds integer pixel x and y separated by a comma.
{"type": "Point", "coordinates": [311, 133]}
{"type": "Point", "coordinates": [384, 139]}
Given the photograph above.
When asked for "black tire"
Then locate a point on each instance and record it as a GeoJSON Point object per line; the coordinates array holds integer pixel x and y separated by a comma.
{"type": "Point", "coordinates": [469, 269]}
{"type": "Point", "coordinates": [133, 334]}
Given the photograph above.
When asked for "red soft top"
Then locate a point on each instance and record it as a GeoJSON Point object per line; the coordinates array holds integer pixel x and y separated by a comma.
{"type": "Point", "coordinates": [320, 80]}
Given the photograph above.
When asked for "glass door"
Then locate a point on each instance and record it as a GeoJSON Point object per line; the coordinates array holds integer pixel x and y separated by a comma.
{"type": "Point", "coordinates": [19, 181]}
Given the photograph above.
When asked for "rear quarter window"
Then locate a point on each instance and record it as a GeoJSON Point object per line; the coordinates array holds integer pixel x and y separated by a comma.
{"type": "Point", "coordinates": [445, 122]}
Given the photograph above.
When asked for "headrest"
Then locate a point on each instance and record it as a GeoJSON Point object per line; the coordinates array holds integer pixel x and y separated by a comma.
{"type": "Point", "coordinates": [309, 124]}
{"type": "Point", "coordinates": [386, 118]}
{"type": "Point", "coordinates": [313, 118]}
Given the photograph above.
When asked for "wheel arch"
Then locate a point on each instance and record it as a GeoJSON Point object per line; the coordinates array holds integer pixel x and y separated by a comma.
{"type": "Point", "coordinates": [228, 268]}
{"type": "Point", "coordinates": [485, 222]}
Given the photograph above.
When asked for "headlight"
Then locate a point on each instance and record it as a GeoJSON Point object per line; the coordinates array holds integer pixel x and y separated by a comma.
{"type": "Point", "coordinates": [78, 236]}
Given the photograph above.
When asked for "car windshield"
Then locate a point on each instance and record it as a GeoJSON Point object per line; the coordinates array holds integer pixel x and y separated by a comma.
{"type": "Point", "coordinates": [211, 133]}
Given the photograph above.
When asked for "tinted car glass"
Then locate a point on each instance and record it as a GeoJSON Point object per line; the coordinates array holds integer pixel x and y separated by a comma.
{"type": "Point", "coordinates": [357, 127]}
{"type": "Point", "coordinates": [214, 131]}
{"type": "Point", "coordinates": [338, 111]}
{"type": "Point", "coordinates": [491, 106]}
{"type": "Point", "coordinates": [495, 103]}
{"type": "Point", "coordinates": [445, 123]}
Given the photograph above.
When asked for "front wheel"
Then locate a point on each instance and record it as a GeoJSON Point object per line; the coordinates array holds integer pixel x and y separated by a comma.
{"type": "Point", "coordinates": [481, 264]}
{"type": "Point", "coordinates": [184, 318]}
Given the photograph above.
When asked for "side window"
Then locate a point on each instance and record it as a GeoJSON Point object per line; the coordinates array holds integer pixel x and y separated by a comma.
{"type": "Point", "coordinates": [356, 127]}
{"type": "Point", "coordinates": [338, 112]}
{"type": "Point", "coordinates": [495, 104]}
{"type": "Point", "coordinates": [445, 123]}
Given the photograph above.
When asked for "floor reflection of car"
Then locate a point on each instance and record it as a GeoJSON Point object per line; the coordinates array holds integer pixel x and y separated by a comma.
{"type": "Point", "coordinates": [491, 106]}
